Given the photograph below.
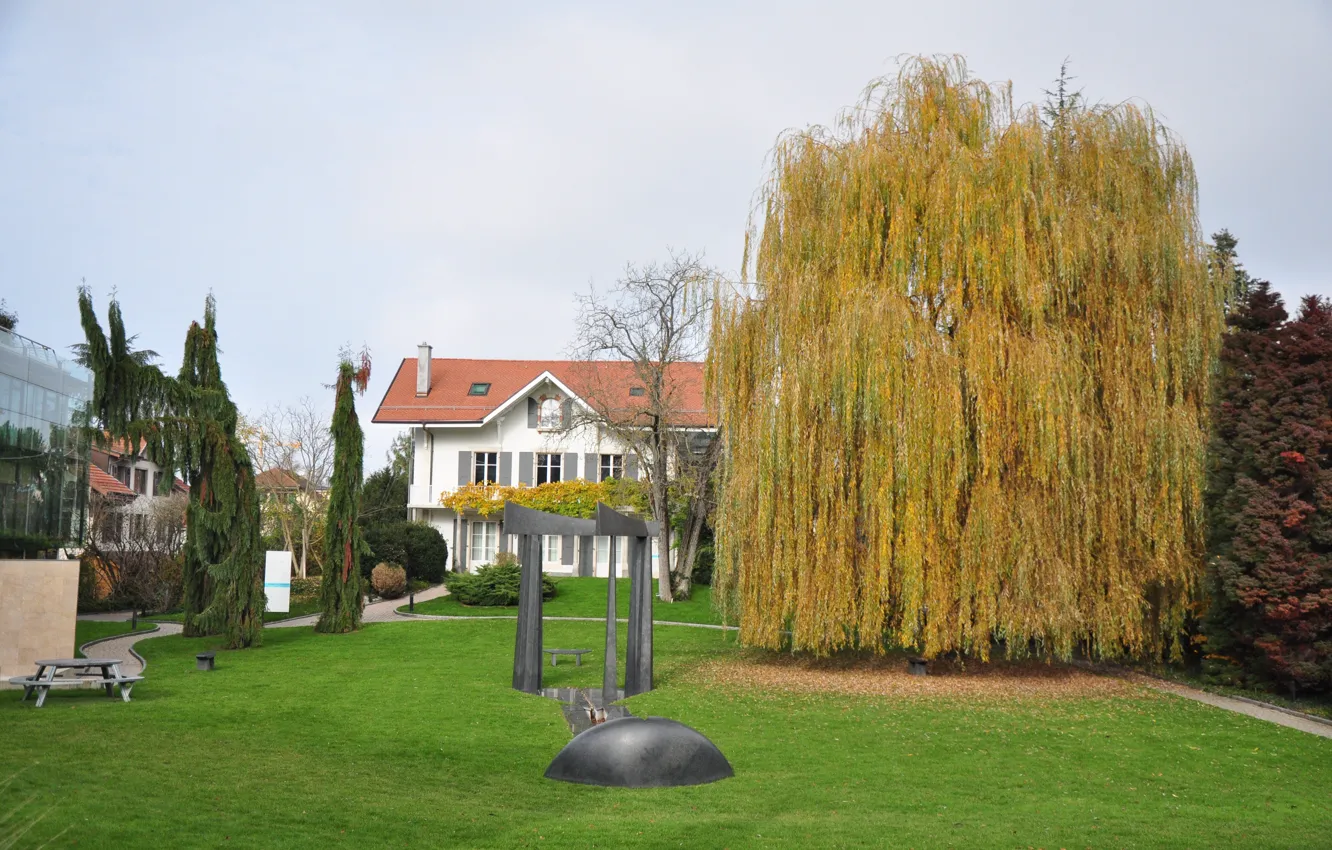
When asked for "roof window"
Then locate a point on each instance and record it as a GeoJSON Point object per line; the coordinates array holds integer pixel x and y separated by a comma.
{"type": "Point", "coordinates": [479, 389]}
{"type": "Point", "coordinates": [636, 391]}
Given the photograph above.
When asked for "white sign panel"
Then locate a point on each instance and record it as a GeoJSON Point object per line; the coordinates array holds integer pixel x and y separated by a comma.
{"type": "Point", "coordinates": [277, 581]}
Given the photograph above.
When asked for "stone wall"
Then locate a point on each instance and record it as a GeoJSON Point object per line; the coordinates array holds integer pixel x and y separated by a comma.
{"type": "Point", "coordinates": [38, 604]}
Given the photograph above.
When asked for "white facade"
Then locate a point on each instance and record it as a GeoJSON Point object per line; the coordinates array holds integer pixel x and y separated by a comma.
{"type": "Point", "coordinates": [524, 441]}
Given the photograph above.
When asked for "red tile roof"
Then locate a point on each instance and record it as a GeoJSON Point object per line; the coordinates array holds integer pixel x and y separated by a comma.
{"type": "Point", "coordinates": [276, 479]}
{"type": "Point", "coordinates": [105, 484]}
{"type": "Point", "coordinates": [606, 382]}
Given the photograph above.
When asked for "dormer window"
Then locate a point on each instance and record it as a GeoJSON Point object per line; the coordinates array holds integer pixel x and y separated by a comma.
{"type": "Point", "coordinates": [479, 389]}
{"type": "Point", "coordinates": [550, 416]}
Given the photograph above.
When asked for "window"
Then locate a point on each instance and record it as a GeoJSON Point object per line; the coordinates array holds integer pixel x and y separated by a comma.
{"type": "Point", "coordinates": [549, 414]}
{"type": "Point", "coordinates": [485, 467]}
{"type": "Point", "coordinates": [141, 481]}
{"type": "Point", "coordinates": [612, 466]}
{"type": "Point", "coordinates": [552, 549]}
{"type": "Point", "coordinates": [547, 468]}
{"type": "Point", "coordinates": [602, 555]}
{"type": "Point", "coordinates": [479, 389]}
{"type": "Point", "coordinates": [485, 542]}
{"type": "Point", "coordinates": [636, 391]}
{"type": "Point", "coordinates": [157, 482]}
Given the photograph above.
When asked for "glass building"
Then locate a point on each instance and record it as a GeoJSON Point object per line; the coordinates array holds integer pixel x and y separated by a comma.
{"type": "Point", "coordinates": [43, 451]}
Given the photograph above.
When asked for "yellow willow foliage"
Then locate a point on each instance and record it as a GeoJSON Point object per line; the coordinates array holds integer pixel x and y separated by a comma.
{"type": "Point", "coordinates": [969, 400]}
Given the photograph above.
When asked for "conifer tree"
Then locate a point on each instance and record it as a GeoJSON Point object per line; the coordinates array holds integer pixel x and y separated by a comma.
{"type": "Point", "coordinates": [1269, 497]}
{"type": "Point", "coordinates": [188, 424]}
{"type": "Point", "coordinates": [344, 540]}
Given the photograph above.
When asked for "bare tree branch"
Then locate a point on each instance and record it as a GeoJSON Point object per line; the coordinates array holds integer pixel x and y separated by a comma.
{"type": "Point", "coordinates": [635, 335]}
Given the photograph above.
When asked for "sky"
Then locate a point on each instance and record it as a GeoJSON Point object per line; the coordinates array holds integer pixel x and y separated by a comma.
{"type": "Point", "coordinates": [392, 173]}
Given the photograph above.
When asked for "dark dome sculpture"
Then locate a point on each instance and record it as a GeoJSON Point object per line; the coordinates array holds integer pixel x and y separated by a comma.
{"type": "Point", "coordinates": [638, 752]}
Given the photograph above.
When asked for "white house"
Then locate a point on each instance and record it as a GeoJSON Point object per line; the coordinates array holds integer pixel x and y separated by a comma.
{"type": "Point", "coordinates": [513, 422]}
{"type": "Point", "coordinates": [131, 484]}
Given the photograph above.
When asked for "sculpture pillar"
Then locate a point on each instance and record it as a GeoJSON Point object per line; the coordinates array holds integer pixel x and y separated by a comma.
{"type": "Point", "coordinates": [527, 645]}
{"type": "Point", "coordinates": [609, 690]}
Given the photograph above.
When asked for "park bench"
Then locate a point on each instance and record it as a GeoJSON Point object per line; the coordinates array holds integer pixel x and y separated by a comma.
{"type": "Point", "coordinates": [576, 653]}
{"type": "Point", "coordinates": [45, 677]}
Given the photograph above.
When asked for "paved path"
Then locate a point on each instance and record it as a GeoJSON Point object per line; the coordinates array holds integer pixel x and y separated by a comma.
{"type": "Point", "coordinates": [1262, 711]}
{"type": "Point", "coordinates": [405, 616]}
{"type": "Point", "coordinates": [375, 612]}
{"type": "Point", "coordinates": [120, 647]}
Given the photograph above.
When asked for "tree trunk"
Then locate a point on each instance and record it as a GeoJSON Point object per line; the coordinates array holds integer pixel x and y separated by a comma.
{"type": "Point", "coordinates": [661, 495]}
{"type": "Point", "coordinates": [305, 544]}
{"type": "Point", "coordinates": [684, 574]}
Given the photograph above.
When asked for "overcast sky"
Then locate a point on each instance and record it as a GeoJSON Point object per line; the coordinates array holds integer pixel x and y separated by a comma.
{"type": "Point", "coordinates": [389, 173]}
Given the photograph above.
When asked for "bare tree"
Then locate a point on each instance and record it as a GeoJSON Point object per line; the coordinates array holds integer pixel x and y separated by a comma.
{"type": "Point", "coordinates": [294, 440]}
{"type": "Point", "coordinates": [137, 546]}
{"type": "Point", "coordinates": [654, 322]}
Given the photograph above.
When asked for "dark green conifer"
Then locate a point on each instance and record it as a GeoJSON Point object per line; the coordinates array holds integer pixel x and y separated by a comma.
{"type": "Point", "coordinates": [344, 541]}
{"type": "Point", "coordinates": [188, 424]}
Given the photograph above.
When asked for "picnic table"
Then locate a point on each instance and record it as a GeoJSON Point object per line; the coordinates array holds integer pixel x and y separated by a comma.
{"type": "Point", "coordinates": [45, 678]}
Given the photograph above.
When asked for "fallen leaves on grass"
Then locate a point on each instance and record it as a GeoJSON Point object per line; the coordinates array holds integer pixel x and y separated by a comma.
{"type": "Point", "coordinates": [887, 676]}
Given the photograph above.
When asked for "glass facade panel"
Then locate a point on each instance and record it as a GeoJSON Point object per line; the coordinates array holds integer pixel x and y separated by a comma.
{"type": "Point", "coordinates": [43, 453]}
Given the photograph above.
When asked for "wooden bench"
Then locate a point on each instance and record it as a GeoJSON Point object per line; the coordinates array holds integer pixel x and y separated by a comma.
{"type": "Point", "coordinates": [576, 653]}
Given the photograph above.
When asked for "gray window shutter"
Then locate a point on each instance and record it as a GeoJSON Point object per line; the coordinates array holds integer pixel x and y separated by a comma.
{"type": "Point", "coordinates": [631, 466]}
{"type": "Point", "coordinates": [590, 467]}
{"type": "Point", "coordinates": [503, 540]}
{"type": "Point", "coordinates": [570, 470]}
{"type": "Point", "coordinates": [567, 550]}
{"type": "Point", "coordinates": [524, 467]}
{"type": "Point", "coordinates": [566, 413]}
{"type": "Point", "coordinates": [531, 412]}
{"type": "Point", "coordinates": [506, 469]}
{"type": "Point", "coordinates": [464, 467]}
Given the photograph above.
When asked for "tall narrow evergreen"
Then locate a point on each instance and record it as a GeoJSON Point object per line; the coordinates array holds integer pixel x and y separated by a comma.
{"type": "Point", "coordinates": [188, 424]}
{"type": "Point", "coordinates": [344, 542]}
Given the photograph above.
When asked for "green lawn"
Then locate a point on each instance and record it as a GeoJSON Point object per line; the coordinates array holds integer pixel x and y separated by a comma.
{"type": "Point", "coordinates": [586, 597]}
{"type": "Point", "coordinates": [407, 735]}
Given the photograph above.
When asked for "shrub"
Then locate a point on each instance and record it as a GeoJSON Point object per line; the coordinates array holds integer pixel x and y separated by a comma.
{"type": "Point", "coordinates": [419, 546]}
{"type": "Point", "coordinates": [389, 580]}
{"type": "Point", "coordinates": [305, 588]}
{"type": "Point", "coordinates": [494, 584]}
{"type": "Point", "coordinates": [703, 563]}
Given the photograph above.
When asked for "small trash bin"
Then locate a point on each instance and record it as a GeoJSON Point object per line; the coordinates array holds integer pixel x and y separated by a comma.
{"type": "Point", "coordinates": [916, 666]}
{"type": "Point", "coordinates": [204, 661]}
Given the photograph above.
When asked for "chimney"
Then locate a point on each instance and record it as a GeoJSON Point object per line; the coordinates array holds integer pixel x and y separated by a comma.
{"type": "Point", "coordinates": [423, 369]}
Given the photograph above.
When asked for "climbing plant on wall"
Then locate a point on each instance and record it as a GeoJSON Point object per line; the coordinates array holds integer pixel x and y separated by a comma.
{"type": "Point", "coordinates": [966, 401]}
{"type": "Point", "coordinates": [344, 539]}
{"type": "Point", "coordinates": [188, 424]}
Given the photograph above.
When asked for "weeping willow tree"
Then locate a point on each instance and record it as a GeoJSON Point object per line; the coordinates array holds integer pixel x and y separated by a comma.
{"type": "Point", "coordinates": [344, 541]}
{"type": "Point", "coordinates": [188, 423]}
{"type": "Point", "coordinates": [966, 402]}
